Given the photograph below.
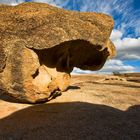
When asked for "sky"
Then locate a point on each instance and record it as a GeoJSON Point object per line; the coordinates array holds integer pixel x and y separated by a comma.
{"type": "Point", "coordinates": [125, 35]}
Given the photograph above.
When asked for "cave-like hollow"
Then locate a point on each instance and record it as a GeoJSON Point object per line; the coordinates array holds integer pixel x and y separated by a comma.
{"type": "Point", "coordinates": [75, 53]}
{"type": "Point", "coordinates": [51, 68]}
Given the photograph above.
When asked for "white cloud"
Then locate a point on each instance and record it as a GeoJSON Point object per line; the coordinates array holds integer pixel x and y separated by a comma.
{"type": "Point", "coordinates": [11, 2]}
{"type": "Point", "coordinates": [127, 48]}
{"type": "Point", "coordinates": [130, 42]}
{"type": "Point", "coordinates": [113, 65]}
{"type": "Point", "coordinates": [79, 71]}
{"type": "Point", "coordinates": [130, 56]}
{"type": "Point", "coordinates": [115, 35]}
{"type": "Point", "coordinates": [15, 2]}
{"type": "Point", "coordinates": [52, 2]}
{"type": "Point", "coordinates": [58, 3]}
{"type": "Point", "coordinates": [116, 66]}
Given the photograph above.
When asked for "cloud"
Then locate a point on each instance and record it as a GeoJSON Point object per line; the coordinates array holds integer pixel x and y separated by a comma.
{"type": "Point", "coordinates": [11, 2]}
{"type": "Point", "coordinates": [116, 35]}
{"type": "Point", "coordinates": [127, 48]}
{"type": "Point", "coordinates": [115, 65]}
{"type": "Point", "coordinates": [52, 2]}
{"type": "Point", "coordinates": [79, 71]}
{"type": "Point", "coordinates": [110, 67]}
{"type": "Point", "coordinates": [15, 2]}
{"type": "Point", "coordinates": [57, 3]}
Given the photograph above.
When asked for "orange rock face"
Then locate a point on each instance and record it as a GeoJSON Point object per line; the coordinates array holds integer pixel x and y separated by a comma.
{"type": "Point", "coordinates": [40, 45]}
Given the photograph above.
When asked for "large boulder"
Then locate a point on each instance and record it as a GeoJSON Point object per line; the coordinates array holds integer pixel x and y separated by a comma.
{"type": "Point", "coordinates": [41, 44]}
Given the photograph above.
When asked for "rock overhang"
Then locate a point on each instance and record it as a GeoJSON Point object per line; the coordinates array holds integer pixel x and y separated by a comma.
{"type": "Point", "coordinates": [49, 42]}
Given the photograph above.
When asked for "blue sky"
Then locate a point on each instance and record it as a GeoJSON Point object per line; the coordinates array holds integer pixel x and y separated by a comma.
{"type": "Point", "coordinates": [126, 33]}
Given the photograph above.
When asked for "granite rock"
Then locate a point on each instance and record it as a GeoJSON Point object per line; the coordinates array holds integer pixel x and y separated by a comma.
{"type": "Point", "coordinates": [41, 44]}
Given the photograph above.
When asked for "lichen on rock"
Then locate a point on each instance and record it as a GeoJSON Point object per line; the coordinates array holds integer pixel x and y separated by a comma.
{"type": "Point", "coordinates": [41, 44]}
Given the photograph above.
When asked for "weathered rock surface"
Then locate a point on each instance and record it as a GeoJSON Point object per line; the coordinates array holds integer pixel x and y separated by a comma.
{"type": "Point", "coordinates": [40, 45]}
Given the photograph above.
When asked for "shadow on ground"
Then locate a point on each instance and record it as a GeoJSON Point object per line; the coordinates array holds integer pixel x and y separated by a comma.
{"type": "Point", "coordinates": [7, 98]}
{"type": "Point", "coordinates": [72, 121]}
{"type": "Point", "coordinates": [73, 87]}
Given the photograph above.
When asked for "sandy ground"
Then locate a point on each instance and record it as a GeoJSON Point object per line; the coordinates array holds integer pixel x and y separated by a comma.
{"type": "Point", "coordinates": [95, 107]}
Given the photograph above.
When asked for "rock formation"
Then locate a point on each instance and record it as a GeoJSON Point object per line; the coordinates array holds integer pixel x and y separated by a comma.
{"type": "Point", "coordinates": [41, 44]}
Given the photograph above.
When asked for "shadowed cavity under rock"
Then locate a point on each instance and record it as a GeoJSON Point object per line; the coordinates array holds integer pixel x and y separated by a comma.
{"type": "Point", "coordinates": [53, 69]}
